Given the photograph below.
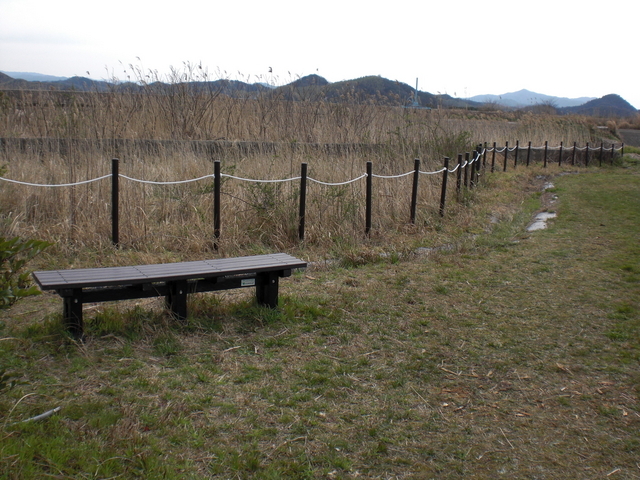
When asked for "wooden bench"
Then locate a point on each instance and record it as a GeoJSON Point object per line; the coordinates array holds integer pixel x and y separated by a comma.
{"type": "Point", "coordinates": [174, 281]}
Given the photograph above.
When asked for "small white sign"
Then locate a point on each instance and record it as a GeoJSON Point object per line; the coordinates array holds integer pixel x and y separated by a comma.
{"type": "Point", "coordinates": [248, 282]}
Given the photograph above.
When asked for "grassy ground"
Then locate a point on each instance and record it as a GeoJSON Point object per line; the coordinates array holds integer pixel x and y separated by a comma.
{"type": "Point", "coordinates": [506, 355]}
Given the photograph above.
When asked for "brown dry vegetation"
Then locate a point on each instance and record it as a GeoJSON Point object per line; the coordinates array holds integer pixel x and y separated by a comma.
{"type": "Point", "coordinates": [160, 138]}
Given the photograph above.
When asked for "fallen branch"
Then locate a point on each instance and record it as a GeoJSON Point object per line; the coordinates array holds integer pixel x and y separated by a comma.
{"type": "Point", "coordinates": [42, 416]}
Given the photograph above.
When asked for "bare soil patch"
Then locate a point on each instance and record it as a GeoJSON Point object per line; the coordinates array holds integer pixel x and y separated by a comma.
{"type": "Point", "coordinates": [630, 137]}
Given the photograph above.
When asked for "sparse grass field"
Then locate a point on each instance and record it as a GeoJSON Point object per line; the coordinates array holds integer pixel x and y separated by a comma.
{"type": "Point", "coordinates": [504, 355]}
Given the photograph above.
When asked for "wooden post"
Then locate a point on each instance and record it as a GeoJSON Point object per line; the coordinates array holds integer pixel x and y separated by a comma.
{"type": "Point", "coordinates": [484, 157]}
{"type": "Point", "coordinates": [573, 154]}
{"type": "Point", "coordinates": [475, 166]}
{"type": "Point", "coordinates": [546, 146]}
{"type": "Point", "coordinates": [115, 204]}
{"type": "Point", "coordinates": [443, 193]}
{"type": "Point", "coordinates": [414, 191]}
{"type": "Point", "coordinates": [529, 154]}
{"type": "Point", "coordinates": [560, 156]}
{"type": "Point", "coordinates": [466, 170]}
{"type": "Point", "coordinates": [479, 150]}
{"type": "Point", "coordinates": [459, 177]}
{"type": "Point", "coordinates": [493, 158]}
{"type": "Point", "coordinates": [369, 192]}
{"type": "Point", "coordinates": [601, 152]}
{"type": "Point", "coordinates": [472, 173]}
{"type": "Point", "coordinates": [216, 203]}
{"type": "Point", "coordinates": [515, 162]}
{"type": "Point", "coordinates": [586, 155]}
{"type": "Point", "coordinates": [612, 149]}
{"type": "Point", "coordinates": [303, 200]}
{"type": "Point", "coordinates": [506, 154]}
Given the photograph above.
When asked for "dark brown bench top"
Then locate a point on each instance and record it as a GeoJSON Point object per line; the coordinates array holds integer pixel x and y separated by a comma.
{"type": "Point", "coordinates": [140, 274]}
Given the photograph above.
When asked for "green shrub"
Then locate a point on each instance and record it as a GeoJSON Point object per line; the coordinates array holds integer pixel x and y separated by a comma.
{"type": "Point", "coordinates": [14, 282]}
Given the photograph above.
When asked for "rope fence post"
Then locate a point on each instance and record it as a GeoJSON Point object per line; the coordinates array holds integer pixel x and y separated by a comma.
{"type": "Point", "coordinates": [546, 149]}
{"type": "Point", "coordinates": [115, 204]}
{"type": "Point", "coordinates": [612, 147]}
{"type": "Point", "coordinates": [472, 173]}
{"type": "Point", "coordinates": [528, 154]}
{"type": "Point", "coordinates": [622, 150]}
{"type": "Point", "coordinates": [601, 152]}
{"type": "Point", "coordinates": [493, 158]}
{"type": "Point", "coordinates": [478, 165]}
{"type": "Point", "coordinates": [459, 177]}
{"type": "Point", "coordinates": [573, 155]}
{"type": "Point", "coordinates": [586, 155]}
{"type": "Point", "coordinates": [475, 167]}
{"type": "Point", "coordinates": [443, 193]}
{"type": "Point", "coordinates": [414, 191]}
{"type": "Point", "coordinates": [303, 200]}
{"type": "Point", "coordinates": [515, 161]}
{"type": "Point", "coordinates": [466, 170]}
{"type": "Point", "coordinates": [506, 154]}
{"type": "Point", "coordinates": [369, 192]}
{"type": "Point", "coordinates": [216, 203]}
{"type": "Point", "coordinates": [560, 156]}
{"type": "Point", "coordinates": [484, 157]}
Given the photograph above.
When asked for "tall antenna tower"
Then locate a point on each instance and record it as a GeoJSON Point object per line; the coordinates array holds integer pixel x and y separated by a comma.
{"type": "Point", "coordinates": [415, 103]}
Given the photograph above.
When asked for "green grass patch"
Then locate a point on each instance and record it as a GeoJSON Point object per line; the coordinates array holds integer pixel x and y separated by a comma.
{"type": "Point", "coordinates": [506, 354]}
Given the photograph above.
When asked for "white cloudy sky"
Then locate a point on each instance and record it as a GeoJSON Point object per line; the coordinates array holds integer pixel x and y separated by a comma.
{"type": "Point", "coordinates": [460, 47]}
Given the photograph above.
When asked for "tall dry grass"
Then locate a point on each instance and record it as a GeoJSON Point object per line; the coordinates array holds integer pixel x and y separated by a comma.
{"type": "Point", "coordinates": [163, 137]}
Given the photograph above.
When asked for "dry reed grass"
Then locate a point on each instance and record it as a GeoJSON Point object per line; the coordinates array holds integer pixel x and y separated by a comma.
{"type": "Point", "coordinates": [334, 139]}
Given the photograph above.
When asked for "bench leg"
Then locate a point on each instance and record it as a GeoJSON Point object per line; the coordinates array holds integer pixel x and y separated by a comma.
{"type": "Point", "coordinates": [267, 289]}
{"type": "Point", "coordinates": [176, 299]}
{"type": "Point", "coordinates": [72, 313]}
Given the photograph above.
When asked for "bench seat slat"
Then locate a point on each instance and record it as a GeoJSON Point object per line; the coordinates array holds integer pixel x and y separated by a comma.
{"type": "Point", "coordinates": [109, 276]}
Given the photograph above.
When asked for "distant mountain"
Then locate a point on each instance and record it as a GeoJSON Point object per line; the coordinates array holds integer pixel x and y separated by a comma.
{"type": "Point", "coordinates": [310, 80]}
{"type": "Point", "coordinates": [371, 90]}
{"type": "Point", "coordinates": [527, 98]}
{"type": "Point", "coordinates": [33, 77]}
{"type": "Point", "coordinates": [80, 83]}
{"type": "Point", "coordinates": [74, 83]}
{"type": "Point", "coordinates": [611, 105]}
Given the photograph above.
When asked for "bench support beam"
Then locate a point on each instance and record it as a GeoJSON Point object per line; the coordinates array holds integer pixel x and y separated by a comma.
{"type": "Point", "coordinates": [267, 289]}
{"type": "Point", "coordinates": [176, 299]}
{"type": "Point", "coordinates": [72, 312]}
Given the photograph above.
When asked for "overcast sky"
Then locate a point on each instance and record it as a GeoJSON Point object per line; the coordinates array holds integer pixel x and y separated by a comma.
{"type": "Point", "coordinates": [463, 48]}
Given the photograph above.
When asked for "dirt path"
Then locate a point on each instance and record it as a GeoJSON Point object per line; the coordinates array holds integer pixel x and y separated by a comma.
{"type": "Point", "coordinates": [630, 137]}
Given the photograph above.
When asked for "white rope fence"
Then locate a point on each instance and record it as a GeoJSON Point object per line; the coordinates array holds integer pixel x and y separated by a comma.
{"type": "Point", "coordinates": [471, 179]}
{"type": "Point", "coordinates": [564, 147]}
{"type": "Point", "coordinates": [177, 182]}
{"type": "Point", "coordinates": [255, 180]}
{"type": "Point", "coordinates": [364, 175]}
{"type": "Point", "coordinates": [55, 185]}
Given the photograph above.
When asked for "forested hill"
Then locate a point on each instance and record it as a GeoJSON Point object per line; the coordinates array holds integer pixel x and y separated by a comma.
{"type": "Point", "coordinates": [371, 90]}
